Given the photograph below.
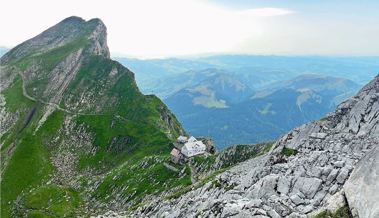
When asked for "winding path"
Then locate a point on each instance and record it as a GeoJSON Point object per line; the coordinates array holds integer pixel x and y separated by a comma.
{"type": "Point", "coordinates": [55, 106]}
{"type": "Point", "coordinates": [25, 93]}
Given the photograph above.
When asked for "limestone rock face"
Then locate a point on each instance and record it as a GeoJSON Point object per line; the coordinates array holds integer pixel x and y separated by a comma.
{"type": "Point", "coordinates": [276, 185]}
{"type": "Point", "coordinates": [362, 188]}
{"type": "Point", "coordinates": [99, 38]}
{"type": "Point", "coordinates": [359, 114]}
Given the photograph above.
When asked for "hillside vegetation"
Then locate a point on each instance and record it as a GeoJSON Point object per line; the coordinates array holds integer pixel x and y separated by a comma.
{"type": "Point", "coordinates": [75, 128]}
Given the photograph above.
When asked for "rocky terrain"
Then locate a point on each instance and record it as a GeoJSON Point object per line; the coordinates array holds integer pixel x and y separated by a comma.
{"type": "Point", "coordinates": [323, 165]}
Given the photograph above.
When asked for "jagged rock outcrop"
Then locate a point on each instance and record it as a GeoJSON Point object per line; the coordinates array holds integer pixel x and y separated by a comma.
{"type": "Point", "coordinates": [303, 174]}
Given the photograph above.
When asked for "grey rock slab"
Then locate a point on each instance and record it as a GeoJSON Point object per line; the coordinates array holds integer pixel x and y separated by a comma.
{"type": "Point", "coordinates": [362, 188]}
{"type": "Point", "coordinates": [273, 214]}
{"type": "Point", "coordinates": [333, 189]}
{"type": "Point", "coordinates": [284, 184]}
{"type": "Point", "coordinates": [318, 135]}
{"type": "Point", "coordinates": [296, 199]}
{"type": "Point", "coordinates": [342, 176]}
{"type": "Point", "coordinates": [319, 197]}
{"type": "Point", "coordinates": [307, 186]}
{"type": "Point", "coordinates": [332, 176]}
{"type": "Point", "coordinates": [306, 209]}
{"type": "Point", "coordinates": [339, 164]}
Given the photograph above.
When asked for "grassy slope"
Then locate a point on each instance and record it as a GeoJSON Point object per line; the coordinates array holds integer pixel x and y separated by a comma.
{"type": "Point", "coordinates": [29, 164]}
{"type": "Point", "coordinates": [15, 102]}
{"type": "Point", "coordinates": [152, 178]}
{"type": "Point", "coordinates": [147, 148]}
{"type": "Point", "coordinates": [29, 168]}
{"type": "Point", "coordinates": [50, 201]}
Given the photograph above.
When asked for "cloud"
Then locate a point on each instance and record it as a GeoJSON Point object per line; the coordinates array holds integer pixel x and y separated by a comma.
{"type": "Point", "coordinates": [266, 12]}
{"type": "Point", "coordinates": [144, 28]}
{"type": "Point", "coordinates": [151, 28]}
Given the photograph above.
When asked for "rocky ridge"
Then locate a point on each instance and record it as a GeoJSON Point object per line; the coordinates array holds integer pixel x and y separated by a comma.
{"type": "Point", "coordinates": [325, 155]}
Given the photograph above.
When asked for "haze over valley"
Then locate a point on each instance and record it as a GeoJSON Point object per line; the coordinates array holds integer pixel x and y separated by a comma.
{"type": "Point", "coordinates": [244, 99]}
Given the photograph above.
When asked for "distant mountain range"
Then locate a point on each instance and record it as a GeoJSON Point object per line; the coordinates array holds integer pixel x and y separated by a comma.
{"type": "Point", "coordinates": [226, 109]}
{"type": "Point", "coordinates": [164, 77]}
{"type": "Point", "coordinates": [240, 99]}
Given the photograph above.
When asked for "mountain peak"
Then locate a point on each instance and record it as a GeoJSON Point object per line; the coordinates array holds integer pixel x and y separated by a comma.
{"type": "Point", "coordinates": [99, 37]}
{"type": "Point", "coordinates": [92, 33]}
{"type": "Point", "coordinates": [73, 19]}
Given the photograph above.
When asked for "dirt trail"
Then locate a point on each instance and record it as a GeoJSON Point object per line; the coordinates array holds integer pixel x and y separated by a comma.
{"type": "Point", "coordinates": [193, 179]}
{"type": "Point", "coordinates": [32, 112]}
{"type": "Point", "coordinates": [25, 93]}
{"type": "Point", "coordinates": [170, 167]}
{"type": "Point", "coordinates": [54, 105]}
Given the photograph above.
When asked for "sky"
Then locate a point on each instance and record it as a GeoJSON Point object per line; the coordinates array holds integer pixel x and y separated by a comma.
{"type": "Point", "coordinates": [173, 28]}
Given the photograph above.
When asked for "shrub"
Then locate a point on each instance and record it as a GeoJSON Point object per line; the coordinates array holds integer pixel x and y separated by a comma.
{"type": "Point", "coordinates": [289, 151]}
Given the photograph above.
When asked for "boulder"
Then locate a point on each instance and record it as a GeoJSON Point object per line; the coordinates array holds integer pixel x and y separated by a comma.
{"type": "Point", "coordinates": [307, 186]}
{"type": "Point", "coordinates": [296, 199]}
{"type": "Point", "coordinates": [362, 188]}
{"type": "Point", "coordinates": [318, 135]}
{"type": "Point", "coordinates": [342, 176]}
{"type": "Point", "coordinates": [284, 185]}
{"type": "Point", "coordinates": [332, 176]}
{"type": "Point", "coordinates": [339, 164]}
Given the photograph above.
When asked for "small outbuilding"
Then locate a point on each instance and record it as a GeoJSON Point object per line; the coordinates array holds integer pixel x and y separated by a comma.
{"type": "Point", "coordinates": [176, 156]}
